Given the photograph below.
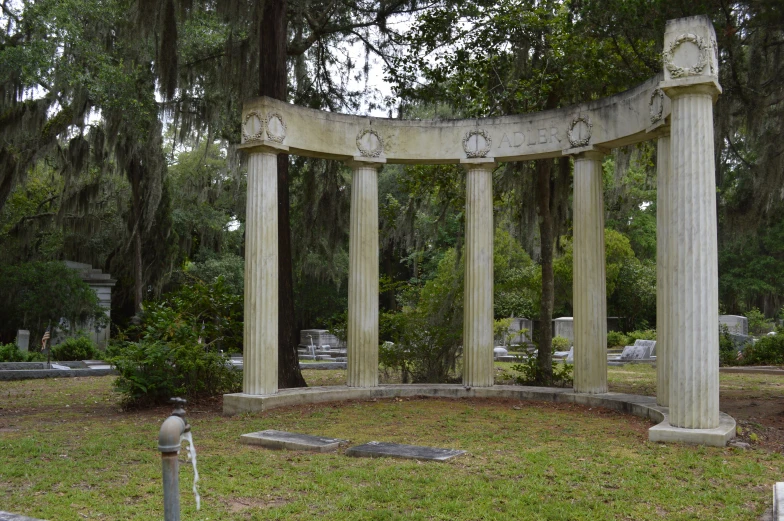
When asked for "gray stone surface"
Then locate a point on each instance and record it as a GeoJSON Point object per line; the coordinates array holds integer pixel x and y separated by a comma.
{"type": "Point", "coordinates": [735, 323]}
{"type": "Point", "coordinates": [641, 350]}
{"type": "Point", "coordinates": [8, 516]}
{"type": "Point", "coordinates": [273, 439]}
{"type": "Point", "coordinates": [499, 351]}
{"type": "Point", "coordinates": [778, 501]}
{"type": "Point", "coordinates": [33, 374]}
{"type": "Point", "coordinates": [564, 327]}
{"type": "Point", "coordinates": [380, 449]}
{"type": "Point", "coordinates": [23, 340]}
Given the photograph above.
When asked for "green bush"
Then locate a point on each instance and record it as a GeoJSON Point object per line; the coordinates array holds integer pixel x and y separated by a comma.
{"type": "Point", "coordinates": [768, 350]}
{"type": "Point", "coordinates": [179, 345]}
{"type": "Point", "coordinates": [728, 354]}
{"type": "Point", "coordinates": [151, 372]}
{"type": "Point", "coordinates": [36, 294]}
{"type": "Point", "coordinates": [758, 324]}
{"type": "Point", "coordinates": [617, 339]}
{"type": "Point", "coordinates": [81, 348]}
{"type": "Point", "coordinates": [560, 343]}
{"type": "Point", "coordinates": [648, 334]}
{"type": "Point", "coordinates": [11, 353]}
{"type": "Point", "coordinates": [531, 374]}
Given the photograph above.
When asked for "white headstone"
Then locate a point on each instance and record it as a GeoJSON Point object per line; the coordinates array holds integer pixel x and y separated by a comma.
{"type": "Point", "coordinates": [23, 340]}
{"type": "Point", "coordinates": [735, 323]}
{"type": "Point", "coordinates": [564, 327]}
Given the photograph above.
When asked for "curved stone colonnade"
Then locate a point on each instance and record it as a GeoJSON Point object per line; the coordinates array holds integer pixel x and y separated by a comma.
{"type": "Point", "coordinates": [675, 108]}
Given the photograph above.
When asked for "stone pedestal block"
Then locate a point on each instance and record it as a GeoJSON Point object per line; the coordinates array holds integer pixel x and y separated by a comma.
{"type": "Point", "coordinates": [590, 301]}
{"type": "Point", "coordinates": [478, 369]}
{"type": "Point", "coordinates": [363, 278]}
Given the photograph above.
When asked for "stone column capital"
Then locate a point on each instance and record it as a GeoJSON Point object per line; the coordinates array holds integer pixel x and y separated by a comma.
{"type": "Point", "coordinates": [263, 147]}
{"type": "Point", "coordinates": [487, 164]}
{"type": "Point", "coordinates": [590, 152]}
{"type": "Point", "coordinates": [366, 162]}
{"type": "Point", "coordinates": [692, 85]}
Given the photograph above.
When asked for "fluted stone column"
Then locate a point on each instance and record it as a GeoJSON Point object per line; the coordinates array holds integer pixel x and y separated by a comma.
{"type": "Point", "coordinates": [663, 306]}
{"type": "Point", "coordinates": [692, 259]}
{"type": "Point", "coordinates": [260, 336]}
{"type": "Point", "coordinates": [478, 368]}
{"type": "Point", "coordinates": [590, 300]}
{"type": "Point", "coordinates": [363, 276]}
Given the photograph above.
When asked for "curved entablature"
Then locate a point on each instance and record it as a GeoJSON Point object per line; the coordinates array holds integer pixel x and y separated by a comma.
{"type": "Point", "coordinates": [690, 57]}
{"type": "Point", "coordinates": [609, 122]}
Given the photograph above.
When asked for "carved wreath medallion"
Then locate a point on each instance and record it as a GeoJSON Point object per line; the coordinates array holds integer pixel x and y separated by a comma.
{"type": "Point", "coordinates": [656, 105]}
{"type": "Point", "coordinates": [276, 127]}
{"type": "Point", "coordinates": [697, 68]}
{"type": "Point", "coordinates": [369, 143]}
{"type": "Point", "coordinates": [477, 143]}
{"type": "Point", "coordinates": [579, 133]}
{"type": "Point", "coordinates": [253, 127]}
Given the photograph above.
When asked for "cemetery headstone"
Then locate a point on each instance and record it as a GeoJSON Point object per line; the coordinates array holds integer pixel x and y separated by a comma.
{"type": "Point", "coordinates": [273, 439]}
{"type": "Point", "coordinates": [23, 340]}
{"type": "Point", "coordinates": [564, 327]}
{"type": "Point", "coordinates": [376, 449]}
{"type": "Point", "coordinates": [736, 324]}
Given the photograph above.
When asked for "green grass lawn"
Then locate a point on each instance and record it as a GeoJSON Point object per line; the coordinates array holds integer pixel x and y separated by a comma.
{"type": "Point", "coordinates": [68, 452]}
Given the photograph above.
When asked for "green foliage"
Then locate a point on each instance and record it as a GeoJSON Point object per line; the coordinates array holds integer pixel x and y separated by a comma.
{"type": "Point", "coordinates": [11, 353]}
{"type": "Point", "coordinates": [426, 336]}
{"type": "Point", "coordinates": [647, 334]}
{"type": "Point", "coordinates": [529, 373]}
{"type": "Point", "coordinates": [179, 351]}
{"type": "Point", "coordinates": [37, 294]}
{"type": "Point", "coordinates": [518, 280]}
{"type": "Point", "coordinates": [198, 312]}
{"type": "Point", "coordinates": [561, 343]}
{"type": "Point", "coordinates": [617, 339]}
{"type": "Point", "coordinates": [151, 372]}
{"type": "Point", "coordinates": [79, 348]}
{"type": "Point", "coordinates": [728, 352]}
{"type": "Point", "coordinates": [634, 298]}
{"type": "Point", "coordinates": [768, 350]}
{"type": "Point", "coordinates": [758, 323]}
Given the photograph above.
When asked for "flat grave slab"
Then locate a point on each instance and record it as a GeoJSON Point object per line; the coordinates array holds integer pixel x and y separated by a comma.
{"type": "Point", "coordinates": [8, 516]}
{"type": "Point", "coordinates": [380, 449]}
{"type": "Point", "coordinates": [273, 439]}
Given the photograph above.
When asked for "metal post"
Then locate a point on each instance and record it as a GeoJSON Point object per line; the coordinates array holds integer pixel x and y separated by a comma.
{"type": "Point", "coordinates": [169, 445]}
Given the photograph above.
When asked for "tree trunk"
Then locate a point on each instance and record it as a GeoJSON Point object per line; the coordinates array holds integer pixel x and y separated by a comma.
{"type": "Point", "coordinates": [545, 356]}
{"type": "Point", "coordinates": [272, 83]}
{"type": "Point", "coordinates": [138, 281]}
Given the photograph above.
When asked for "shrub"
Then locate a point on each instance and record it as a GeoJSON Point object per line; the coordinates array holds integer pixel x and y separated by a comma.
{"type": "Point", "coordinates": [531, 374]}
{"type": "Point", "coordinates": [81, 348]}
{"type": "Point", "coordinates": [648, 334]}
{"type": "Point", "coordinates": [179, 346]}
{"type": "Point", "coordinates": [11, 353]}
{"type": "Point", "coordinates": [728, 353]}
{"type": "Point", "coordinates": [768, 350]}
{"type": "Point", "coordinates": [758, 324]}
{"type": "Point", "coordinates": [616, 339]}
{"type": "Point", "coordinates": [151, 372]}
{"type": "Point", "coordinates": [36, 294]}
{"type": "Point", "coordinates": [560, 343]}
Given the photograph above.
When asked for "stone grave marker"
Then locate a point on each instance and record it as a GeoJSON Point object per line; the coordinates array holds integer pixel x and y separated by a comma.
{"type": "Point", "coordinates": [23, 340]}
{"type": "Point", "coordinates": [380, 449]}
{"type": "Point", "coordinates": [736, 324]}
{"type": "Point", "coordinates": [278, 440]}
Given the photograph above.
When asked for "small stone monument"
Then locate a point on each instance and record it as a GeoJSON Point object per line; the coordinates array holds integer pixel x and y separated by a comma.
{"type": "Point", "coordinates": [736, 324]}
{"type": "Point", "coordinates": [564, 327]}
{"type": "Point", "coordinates": [23, 340]}
{"type": "Point", "coordinates": [641, 350]}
